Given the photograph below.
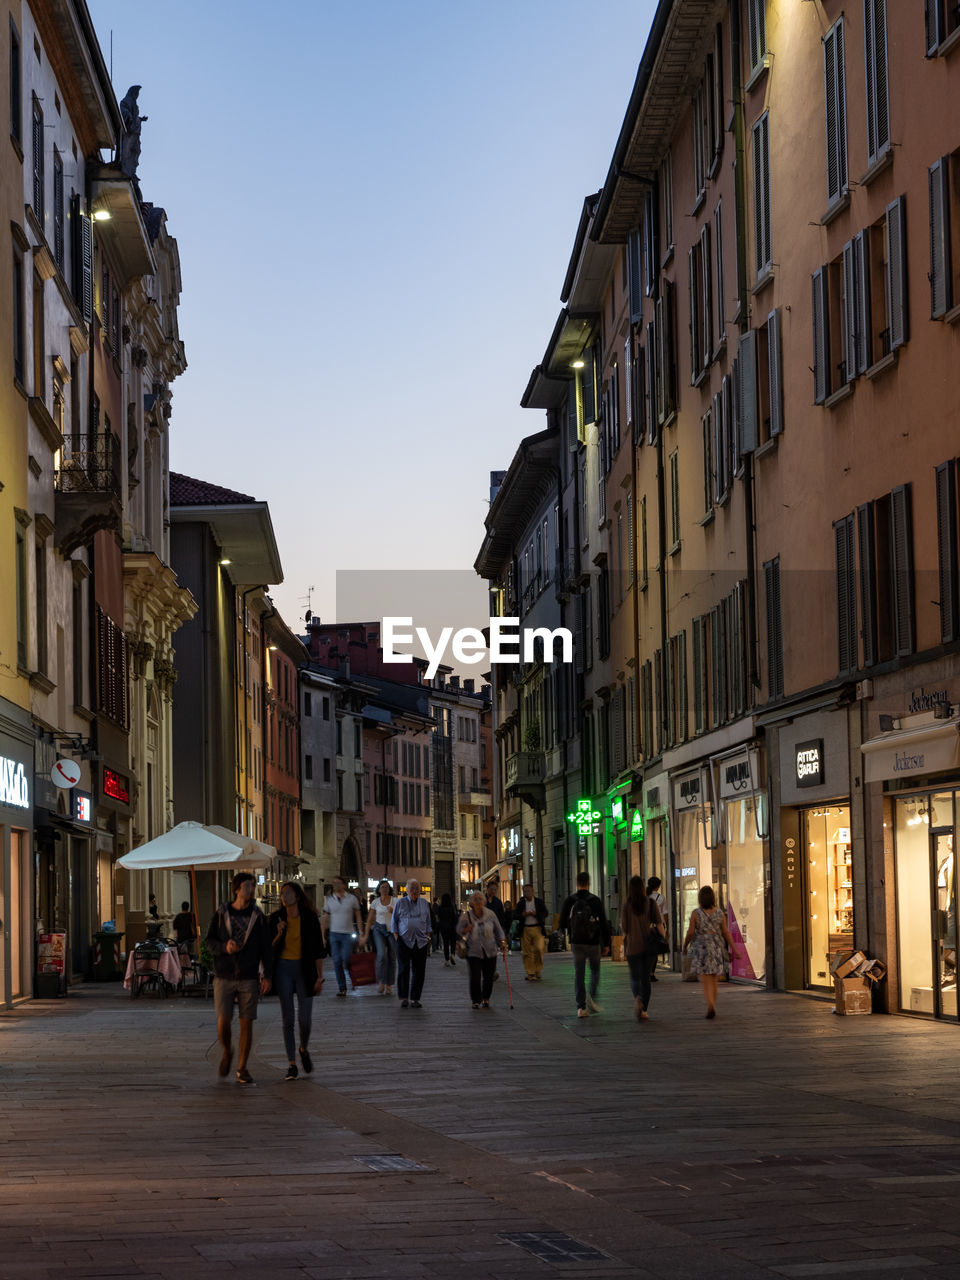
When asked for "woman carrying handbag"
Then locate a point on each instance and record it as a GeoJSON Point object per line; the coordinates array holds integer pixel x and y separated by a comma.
{"type": "Point", "coordinates": [643, 937]}
{"type": "Point", "coordinates": [709, 944]}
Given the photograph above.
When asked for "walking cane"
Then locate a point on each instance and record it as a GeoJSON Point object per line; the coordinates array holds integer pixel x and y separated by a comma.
{"type": "Point", "coordinates": [509, 988]}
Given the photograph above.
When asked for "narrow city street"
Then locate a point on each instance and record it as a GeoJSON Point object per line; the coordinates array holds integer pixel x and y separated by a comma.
{"type": "Point", "coordinates": [778, 1140]}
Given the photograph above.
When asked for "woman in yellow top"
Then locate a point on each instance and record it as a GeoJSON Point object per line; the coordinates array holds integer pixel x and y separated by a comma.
{"type": "Point", "coordinates": [298, 951]}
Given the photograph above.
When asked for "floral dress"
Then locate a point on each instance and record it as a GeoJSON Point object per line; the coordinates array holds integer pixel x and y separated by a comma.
{"type": "Point", "coordinates": [707, 950]}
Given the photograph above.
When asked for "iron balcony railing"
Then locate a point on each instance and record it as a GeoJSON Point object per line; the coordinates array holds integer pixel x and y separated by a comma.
{"type": "Point", "coordinates": [89, 463]}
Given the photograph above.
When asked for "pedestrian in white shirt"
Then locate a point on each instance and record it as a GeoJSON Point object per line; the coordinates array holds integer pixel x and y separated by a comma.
{"type": "Point", "coordinates": [380, 918]}
{"type": "Point", "coordinates": [341, 923]}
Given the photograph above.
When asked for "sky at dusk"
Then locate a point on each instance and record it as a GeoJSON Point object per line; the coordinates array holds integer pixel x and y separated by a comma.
{"type": "Point", "coordinates": [375, 203]}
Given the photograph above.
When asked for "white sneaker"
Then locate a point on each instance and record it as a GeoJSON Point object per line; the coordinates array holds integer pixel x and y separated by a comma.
{"type": "Point", "coordinates": [594, 1007]}
{"type": "Point", "coordinates": [582, 1013]}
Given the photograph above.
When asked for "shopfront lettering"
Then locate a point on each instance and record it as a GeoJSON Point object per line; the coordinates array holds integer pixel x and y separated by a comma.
{"type": "Point", "coordinates": [737, 775]}
{"type": "Point", "coordinates": [810, 763]}
{"type": "Point", "coordinates": [922, 701]}
{"type": "Point", "coordinates": [690, 790]}
{"type": "Point", "coordinates": [14, 790]}
{"type": "Point", "coordinates": [904, 763]}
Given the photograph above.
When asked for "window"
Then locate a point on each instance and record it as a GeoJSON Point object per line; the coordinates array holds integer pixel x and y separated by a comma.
{"type": "Point", "coordinates": [463, 826]}
{"type": "Point", "coordinates": [760, 390]}
{"type": "Point", "coordinates": [326, 768]}
{"type": "Point", "coordinates": [308, 768]}
{"type": "Point", "coordinates": [718, 664]}
{"type": "Point", "coordinates": [326, 708]}
{"type": "Point", "coordinates": [77, 629]}
{"type": "Point", "coordinates": [307, 705]}
{"type": "Point", "coordinates": [651, 242]}
{"type": "Point", "coordinates": [835, 90]}
{"type": "Point", "coordinates": [700, 673]}
{"type": "Point", "coordinates": [699, 143]}
{"type": "Point", "coordinates": [19, 318]}
{"type": "Point", "coordinates": [757, 21]}
{"type": "Point", "coordinates": [588, 386]}
{"type": "Point", "coordinates": [112, 671]}
{"type": "Point", "coordinates": [674, 501]}
{"type": "Point", "coordinates": [701, 307]}
{"type": "Point", "coordinates": [356, 739]}
{"type": "Point", "coordinates": [942, 19]}
{"type": "Point", "coordinates": [944, 186]}
{"type": "Point", "coordinates": [771, 573]}
{"type": "Point", "coordinates": [37, 161]}
{"type": "Point", "coordinates": [21, 572]}
{"type": "Point", "coordinates": [761, 195]}
{"type": "Point", "coordinates": [40, 603]}
{"type": "Point", "coordinates": [878, 89]}
{"type": "Point", "coordinates": [664, 340]}
{"type": "Point", "coordinates": [81, 256]}
{"type": "Point", "coordinates": [646, 710]}
{"type": "Point", "coordinates": [16, 86]}
{"type": "Point", "coordinates": [635, 274]}
{"type": "Point", "coordinates": [666, 202]}
{"type": "Point", "coordinates": [644, 580]}
{"type": "Point", "coordinates": [947, 550]}
{"type": "Point", "coordinates": [58, 246]}
{"type": "Point", "coordinates": [358, 794]}
{"type": "Point", "coordinates": [843, 533]}
{"type": "Point", "coordinates": [714, 96]}
{"type": "Point", "coordinates": [887, 604]}
{"type": "Point", "coordinates": [678, 688]}
{"type": "Point", "coordinates": [718, 292]}
{"type": "Point", "coordinates": [709, 471]}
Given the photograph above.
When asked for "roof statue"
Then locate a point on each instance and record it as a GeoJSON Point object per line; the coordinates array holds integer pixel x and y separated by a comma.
{"type": "Point", "coordinates": [130, 138]}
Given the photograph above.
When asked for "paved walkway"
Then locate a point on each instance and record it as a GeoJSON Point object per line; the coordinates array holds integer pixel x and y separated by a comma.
{"type": "Point", "coordinates": [778, 1140]}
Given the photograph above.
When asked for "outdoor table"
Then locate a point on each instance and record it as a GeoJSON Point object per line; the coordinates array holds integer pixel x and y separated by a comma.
{"type": "Point", "coordinates": [168, 965]}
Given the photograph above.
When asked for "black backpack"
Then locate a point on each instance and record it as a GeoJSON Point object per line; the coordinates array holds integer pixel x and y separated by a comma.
{"type": "Point", "coordinates": [584, 924]}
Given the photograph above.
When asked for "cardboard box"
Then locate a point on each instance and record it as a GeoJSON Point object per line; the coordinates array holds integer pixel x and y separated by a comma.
{"type": "Point", "coordinates": [921, 999]}
{"type": "Point", "coordinates": [874, 970]}
{"type": "Point", "coordinates": [845, 965]}
{"type": "Point", "coordinates": [854, 995]}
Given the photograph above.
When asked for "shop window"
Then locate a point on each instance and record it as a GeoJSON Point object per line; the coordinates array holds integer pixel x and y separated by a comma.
{"type": "Point", "coordinates": [944, 187]}
{"type": "Point", "coordinates": [828, 868]}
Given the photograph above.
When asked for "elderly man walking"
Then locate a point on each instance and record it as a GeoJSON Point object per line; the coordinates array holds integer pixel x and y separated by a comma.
{"type": "Point", "coordinates": [412, 928]}
{"type": "Point", "coordinates": [530, 918]}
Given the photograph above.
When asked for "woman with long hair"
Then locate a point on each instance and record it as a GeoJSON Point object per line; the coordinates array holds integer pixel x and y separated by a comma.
{"type": "Point", "coordinates": [298, 950]}
{"type": "Point", "coordinates": [642, 927]}
{"type": "Point", "coordinates": [447, 917]}
{"type": "Point", "coordinates": [709, 944]}
{"type": "Point", "coordinates": [380, 919]}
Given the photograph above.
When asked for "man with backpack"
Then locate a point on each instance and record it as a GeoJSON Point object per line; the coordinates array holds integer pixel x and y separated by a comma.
{"type": "Point", "coordinates": [583, 916]}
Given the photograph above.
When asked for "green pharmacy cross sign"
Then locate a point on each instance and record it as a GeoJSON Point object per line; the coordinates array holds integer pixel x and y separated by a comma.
{"type": "Point", "coordinates": [584, 817]}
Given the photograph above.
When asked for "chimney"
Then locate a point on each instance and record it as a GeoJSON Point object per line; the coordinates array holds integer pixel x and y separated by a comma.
{"type": "Point", "coordinates": [454, 682]}
{"type": "Point", "coordinates": [468, 686]}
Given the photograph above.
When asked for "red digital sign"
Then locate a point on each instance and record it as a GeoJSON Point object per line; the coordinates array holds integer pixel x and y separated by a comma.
{"type": "Point", "coordinates": [115, 786]}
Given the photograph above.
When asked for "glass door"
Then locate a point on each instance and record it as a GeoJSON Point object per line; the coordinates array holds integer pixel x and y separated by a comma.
{"type": "Point", "coordinates": [828, 879]}
{"type": "Point", "coordinates": [927, 903]}
{"type": "Point", "coordinates": [945, 921]}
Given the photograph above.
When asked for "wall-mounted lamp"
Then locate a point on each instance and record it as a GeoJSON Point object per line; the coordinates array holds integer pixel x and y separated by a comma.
{"type": "Point", "coordinates": [102, 215]}
{"type": "Point", "coordinates": [576, 364]}
{"type": "Point", "coordinates": [223, 563]}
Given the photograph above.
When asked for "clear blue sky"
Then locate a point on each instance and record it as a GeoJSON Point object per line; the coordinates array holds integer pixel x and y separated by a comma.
{"type": "Point", "coordinates": [375, 203]}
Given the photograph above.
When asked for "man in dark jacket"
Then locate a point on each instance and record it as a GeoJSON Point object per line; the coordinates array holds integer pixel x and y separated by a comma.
{"type": "Point", "coordinates": [530, 917]}
{"type": "Point", "coordinates": [494, 903]}
{"type": "Point", "coordinates": [583, 915]}
{"type": "Point", "coordinates": [239, 941]}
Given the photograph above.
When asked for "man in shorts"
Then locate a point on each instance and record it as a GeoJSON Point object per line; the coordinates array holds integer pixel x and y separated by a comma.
{"type": "Point", "coordinates": [239, 941]}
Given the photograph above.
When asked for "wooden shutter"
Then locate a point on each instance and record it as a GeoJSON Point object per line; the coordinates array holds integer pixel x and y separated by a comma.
{"type": "Point", "coordinates": [639, 395]}
{"type": "Point", "coordinates": [706, 294]}
{"type": "Point", "coordinates": [658, 697]}
{"type": "Point", "coordinates": [696, 362]}
{"type": "Point", "coordinates": [729, 437]}
{"type": "Point", "coordinates": [771, 572]}
{"type": "Point", "coordinates": [652, 392]}
{"type": "Point", "coordinates": [38, 162]}
{"type": "Point", "coordinates": [896, 272]}
{"type": "Point", "coordinates": [681, 686]}
{"type": "Point", "coordinates": [933, 16]}
{"type": "Point", "coordinates": [718, 249]}
{"type": "Point", "coordinates": [947, 549]}
{"type": "Point", "coordinates": [940, 265]}
{"type": "Point", "coordinates": [849, 314]}
{"type": "Point", "coordinates": [709, 466]}
{"type": "Point", "coordinates": [736, 430]}
{"type": "Point", "coordinates": [635, 273]}
{"type": "Point", "coordinates": [761, 193]}
{"type": "Point", "coordinates": [651, 241]}
{"type": "Point", "coordinates": [902, 561]}
{"type": "Point", "coordinates": [866, 536]}
{"type": "Point", "coordinates": [719, 450]}
{"type": "Point", "coordinates": [573, 418]}
{"type": "Point", "coordinates": [628, 382]}
{"type": "Point", "coordinates": [699, 699]}
{"type": "Point", "coordinates": [875, 55]}
{"type": "Point", "coordinates": [758, 35]}
{"type": "Point", "coordinates": [749, 407]}
{"type": "Point", "coordinates": [775, 369]}
{"type": "Point", "coordinates": [821, 338]}
{"type": "Point", "coordinates": [846, 595]}
{"type": "Point", "coordinates": [861, 279]}
{"type": "Point", "coordinates": [668, 328]}
{"type": "Point", "coordinates": [86, 243]}
{"type": "Point", "coordinates": [836, 111]}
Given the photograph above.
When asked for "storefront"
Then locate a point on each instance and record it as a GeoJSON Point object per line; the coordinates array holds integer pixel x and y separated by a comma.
{"type": "Point", "coordinates": [745, 829]}
{"type": "Point", "coordinates": [817, 866]}
{"type": "Point", "coordinates": [922, 812]}
{"type": "Point", "coordinates": [16, 843]}
{"type": "Point", "coordinates": [697, 846]}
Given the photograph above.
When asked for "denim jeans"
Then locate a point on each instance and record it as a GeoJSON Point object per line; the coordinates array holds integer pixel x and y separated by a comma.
{"type": "Point", "coordinates": [641, 966]}
{"type": "Point", "coordinates": [341, 949]}
{"type": "Point", "coordinates": [386, 946]}
{"type": "Point", "coordinates": [582, 954]}
{"type": "Point", "coordinates": [289, 982]}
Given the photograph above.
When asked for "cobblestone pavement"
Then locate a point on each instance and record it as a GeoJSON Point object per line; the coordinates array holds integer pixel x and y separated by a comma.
{"type": "Point", "coordinates": [778, 1140]}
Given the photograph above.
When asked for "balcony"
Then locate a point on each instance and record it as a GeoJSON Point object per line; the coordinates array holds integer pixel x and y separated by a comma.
{"type": "Point", "coordinates": [525, 778]}
{"type": "Point", "coordinates": [475, 800]}
{"type": "Point", "coordinates": [87, 487]}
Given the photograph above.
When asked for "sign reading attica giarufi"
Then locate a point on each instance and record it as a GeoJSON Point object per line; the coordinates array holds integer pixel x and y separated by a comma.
{"type": "Point", "coordinates": [810, 763]}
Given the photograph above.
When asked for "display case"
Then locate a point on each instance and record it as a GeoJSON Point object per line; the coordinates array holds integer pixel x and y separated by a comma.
{"type": "Point", "coordinates": [840, 887]}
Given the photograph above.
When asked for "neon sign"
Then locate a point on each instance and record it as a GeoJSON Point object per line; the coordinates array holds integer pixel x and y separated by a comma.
{"type": "Point", "coordinates": [636, 826]}
{"type": "Point", "coordinates": [584, 817]}
{"type": "Point", "coordinates": [115, 786]}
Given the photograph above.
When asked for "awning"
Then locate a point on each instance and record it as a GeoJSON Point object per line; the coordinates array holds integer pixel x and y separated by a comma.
{"type": "Point", "coordinates": [930, 748]}
{"type": "Point", "coordinates": [495, 869]}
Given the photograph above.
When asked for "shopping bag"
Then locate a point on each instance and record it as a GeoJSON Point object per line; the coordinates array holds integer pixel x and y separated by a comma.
{"type": "Point", "coordinates": [363, 968]}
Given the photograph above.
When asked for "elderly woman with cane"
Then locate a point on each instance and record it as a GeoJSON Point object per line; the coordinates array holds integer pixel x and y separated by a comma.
{"type": "Point", "coordinates": [483, 936]}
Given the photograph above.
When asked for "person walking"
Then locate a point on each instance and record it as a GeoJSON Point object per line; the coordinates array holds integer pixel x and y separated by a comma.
{"type": "Point", "coordinates": [447, 916]}
{"type": "Point", "coordinates": [653, 891]}
{"type": "Point", "coordinates": [297, 941]}
{"type": "Point", "coordinates": [380, 918]}
{"type": "Point", "coordinates": [239, 941]}
{"type": "Point", "coordinates": [708, 943]}
{"type": "Point", "coordinates": [583, 915]}
{"type": "Point", "coordinates": [411, 928]}
{"type": "Point", "coordinates": [484, 936]}
{"type": "Point", "coordinates": [494, 903]}
{"type": "Point", "coordinates": [185, 928]}
{"type": "Point", "coordinates": [530, 917]}
{"type": "Point", "coordinates": [642, 927]}
{"type": "Point", "coordinates": [341, 923]}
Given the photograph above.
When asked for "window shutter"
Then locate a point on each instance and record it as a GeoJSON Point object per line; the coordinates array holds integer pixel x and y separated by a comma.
{"type": "Point", "coordinates": [696, 362]}
{"type": "Point", "coordinates": [639, 395]}
{"type": "Point", "coordinates": [682, 687]}
{"type": "Point", "coordinates": [578, 636]}
{"type": "Point", "coordinates": [652, 393]}
{"type": "Point", "coordinates": [706, 291]}
{"type": "Point", "coordinates": [902, 540]}
{"type": "Point", "coordinates": [771, 571]}
{"type": "Point", "coordinates": [667, 305]}
{"type": "Point", "coordinates": [38, 162]}
{"type": "Point", "coordinates": [709, 472]}
{"type": "Point", "coordinates": [934, 25]}
{"type": "Point", "coordinates": [866, 532]}
{"type": "Point", "coordinates": [635, 270]}
{"type": "Point", "coordinates": [835, 95]}
{"type": "Point", "coordinates": [628, 382]}
{"type": "Point", "coordinates": [736, 430]}
{"type": "Point", "coordinates": [719, 451]}
{"type": "Point", "coordinates": [699, 720]}
{"type": "Point", "coordinates": [758, 36]}
{"type": "Point", "coordinates": [749, 408]}
{"type": "Point", "coordinates": [821, 338]}
{"type": "Point", "coordinates": [718, 245]}
{"type": "Point", "coordinates": [846, 598]}
{"type": "Point", "coordinates": [875, 54]}
{"type": "Point", "coordinates": [573, 425]}
{"type": "Point", "coordinates": [761, 193]}
{"type": "Point", "coordinates": [86, 253]}
{"type": "Point", "coordinates": [658, 697]}
{"type": "Point", "coordinates": [729, 437]}
{"type": "Point", "coordinates": [775, 363]}
{"type": "Point", "coordinates": [588, 375]}
{"type": "Point", "coordinates": [896, 276]}
{"type": "Point", "coordinates": [940, 265]}
{"type": "Point", "coordinates": [849, 315]}
{"type": "Point", "coordinates": [651, 246]}
{"type": "Point", "coordinates": [947, 548]}
{"type": "Point", "coordinates": [861, 277]}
